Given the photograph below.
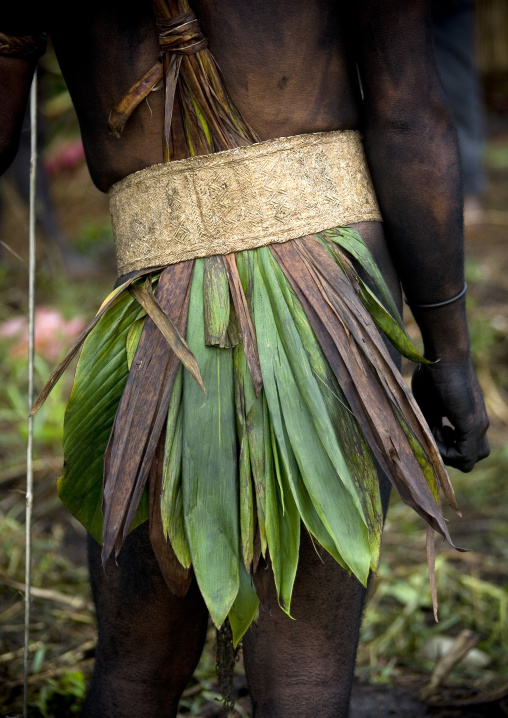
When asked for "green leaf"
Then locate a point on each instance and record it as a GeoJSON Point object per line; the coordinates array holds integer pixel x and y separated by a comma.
{"type": "Point", "coordinates": [171, 498]}
{"type": "Point", "coordinates": [256, 415]}
{"type": "Point", "coordinates": [348, 433]}
{"type": "Point", "coordinates": [300, 370]}
{"type": "Point", "coordinates": [133, 337]}
{"type": "Point", "coordinates": [210, 467]}
{"type": "Point", "coordinates": [283, 530]}
{"type": "Point", "coordinates": [350, 240]}
{"type": "Point", "coordinates": [245, 263]}
{"type": "Point", "coordinates": [98, 385]}
{"type": "Point", "coordinates": [113, 298]}
{"type": "Point", "coordinates": [245, 483]}
{"type": "Point", "coordinates": [288, 379]}
{"type": "Point", "coordinates": [260, 451]}
{"type": "Point", "coordinates": [216, 302]}
{"type": "Point", "coordinates": [245, 607]}
{"type": "Point", "coordinates": [388, 325]}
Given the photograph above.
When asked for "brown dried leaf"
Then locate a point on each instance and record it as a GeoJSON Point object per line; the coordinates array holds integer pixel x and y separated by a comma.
{"type": "Point", "coordinates": [142, 411]}
{"type": "Point", "coordinates": [250, 346]}
{"type": "Point", "coordinates": [146, 298]}
{"type": "Point", "coordinates": [176, 576]}
{"type": "Point", "coordinates": [431, 563]}
{"type": "Point", "coordinates": [136, 94]}
{"type": "Point", "coordinates": [366, 336]}
{"type": "Point", "coordinates": [60, 369]}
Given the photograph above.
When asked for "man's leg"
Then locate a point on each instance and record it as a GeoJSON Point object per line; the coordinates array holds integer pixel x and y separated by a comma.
{"type": "Point", "coordinates": [304, 667]}
{"type": "Point", "coordinates": [149, 641]}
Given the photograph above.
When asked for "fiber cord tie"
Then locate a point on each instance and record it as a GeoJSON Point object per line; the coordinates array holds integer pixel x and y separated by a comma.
{"type": "Point", "coordinates": [22, 47]}
{"type": "Point", "coordinates": [181, 34]}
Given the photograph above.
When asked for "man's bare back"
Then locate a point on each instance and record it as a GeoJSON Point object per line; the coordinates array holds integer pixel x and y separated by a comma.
{"type": "Point", "coordinates": [286, 67]}
{"type": "Point", "coordinates": [291, 67]}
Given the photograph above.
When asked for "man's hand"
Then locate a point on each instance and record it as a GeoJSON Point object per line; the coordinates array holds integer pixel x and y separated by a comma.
{"type": "Point", "coordinates": [450, 390]}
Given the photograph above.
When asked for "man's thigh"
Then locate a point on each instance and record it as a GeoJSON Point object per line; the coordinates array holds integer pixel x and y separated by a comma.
{"type": "Point", "coordinates": [149, 640]}
{"type": "Point", "coordinates": [304, 666]}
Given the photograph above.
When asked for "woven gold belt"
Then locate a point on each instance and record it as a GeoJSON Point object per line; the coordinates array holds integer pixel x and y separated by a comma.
{"type": "Point", "coordinates": [240, 199]}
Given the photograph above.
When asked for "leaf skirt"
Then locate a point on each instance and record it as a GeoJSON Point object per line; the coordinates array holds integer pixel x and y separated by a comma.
{"type": "Point", "coordinates": [234, 401]}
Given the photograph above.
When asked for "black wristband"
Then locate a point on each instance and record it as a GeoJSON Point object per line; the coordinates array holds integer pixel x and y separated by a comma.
{"type": "Point", "coordinates": [435, 305]}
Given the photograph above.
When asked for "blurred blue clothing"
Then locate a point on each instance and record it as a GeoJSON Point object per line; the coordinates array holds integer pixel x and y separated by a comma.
{"type": "Point", "coordinates": [453, 33]}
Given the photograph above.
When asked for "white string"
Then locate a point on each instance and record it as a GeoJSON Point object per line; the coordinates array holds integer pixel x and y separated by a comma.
{"type": "Point", "coordinates": [31, 342]}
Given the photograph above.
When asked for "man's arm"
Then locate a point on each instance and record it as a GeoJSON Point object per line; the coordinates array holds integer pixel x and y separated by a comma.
{"type": "Point", "coordinates": [413, 155]}
{"type": "Point", "coordinates": [15, 80]}
{"type": "Point", "coordinates": [21, 44]}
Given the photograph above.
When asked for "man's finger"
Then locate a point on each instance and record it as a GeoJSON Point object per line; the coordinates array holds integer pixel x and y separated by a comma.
{"type": "Point", "coordinates": [458, 454]}
{"type": "Point", "coordinates": [462, 453]}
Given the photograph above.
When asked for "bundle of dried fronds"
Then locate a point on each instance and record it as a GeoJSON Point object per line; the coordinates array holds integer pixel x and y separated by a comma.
{"type": "Point", "coordinates": [193, 87]}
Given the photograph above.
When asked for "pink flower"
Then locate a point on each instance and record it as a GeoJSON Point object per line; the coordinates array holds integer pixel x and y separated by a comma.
{"type": "Point", "coordinates": [12, 327]}
{"type": "Point", "coordinates": [53, 334]}
{"type": "Point", "coordinates": [64, 157]}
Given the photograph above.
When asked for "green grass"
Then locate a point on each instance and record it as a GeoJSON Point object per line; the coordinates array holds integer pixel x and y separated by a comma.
{"type": "Point", "coordinates": [472, 587]}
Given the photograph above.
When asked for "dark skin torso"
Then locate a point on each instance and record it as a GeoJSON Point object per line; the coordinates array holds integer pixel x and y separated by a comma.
{"type": "Point", "coordinates": [291, 67]}
{"type": "Point", "coordinates": [269, 75]}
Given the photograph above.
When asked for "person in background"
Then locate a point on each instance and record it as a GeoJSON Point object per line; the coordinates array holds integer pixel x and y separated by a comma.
{"type": "Point", "coordinates": [453, 36]}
